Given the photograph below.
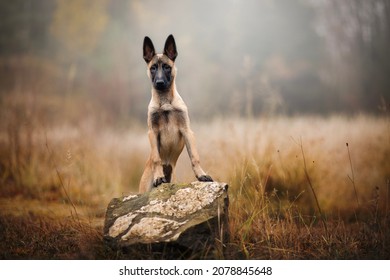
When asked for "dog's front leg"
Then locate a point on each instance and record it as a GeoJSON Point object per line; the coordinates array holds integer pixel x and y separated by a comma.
{"type": "Point", "coordinates": [194, 156]}
{"type": "Point", "coordinates": [155, 159]}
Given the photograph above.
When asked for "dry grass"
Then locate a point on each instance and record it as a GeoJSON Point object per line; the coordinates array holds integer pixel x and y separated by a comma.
{"type": "Point", "coordinates": [267, 154]}
{"type": "Point", "coordinates": [56, 179]}
{"type": "Point", "coordinates": [274, 213]}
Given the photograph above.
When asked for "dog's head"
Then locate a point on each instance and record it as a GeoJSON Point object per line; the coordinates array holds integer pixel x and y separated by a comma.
{"type": "Point", "coordinates": [161, 67]}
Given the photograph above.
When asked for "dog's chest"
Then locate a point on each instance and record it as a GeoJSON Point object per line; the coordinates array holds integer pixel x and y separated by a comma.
{"type": "Point", "coordinates": [167, 125]}
{"type": "Point", "coordinates": [167, 119]}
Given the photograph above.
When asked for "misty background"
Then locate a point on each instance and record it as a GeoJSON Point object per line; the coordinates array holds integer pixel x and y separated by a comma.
{"type": "Point", "coordinates": [75, 59]}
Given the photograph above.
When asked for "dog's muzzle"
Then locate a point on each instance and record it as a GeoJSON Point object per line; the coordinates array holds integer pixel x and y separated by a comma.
{"type": "Point", "coordinates": [160, 84]}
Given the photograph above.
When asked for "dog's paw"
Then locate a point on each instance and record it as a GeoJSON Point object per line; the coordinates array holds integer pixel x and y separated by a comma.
{"type": "Point", "coordinates": [205, 178]}
{"type": "Point", "coordinates": [159, 181]}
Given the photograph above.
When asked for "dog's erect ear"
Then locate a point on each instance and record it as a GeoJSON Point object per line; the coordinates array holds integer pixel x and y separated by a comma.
{"type": "Point", "coordinates": [148, 48]}
{"type": "Point", "coordinates": [170, 48]}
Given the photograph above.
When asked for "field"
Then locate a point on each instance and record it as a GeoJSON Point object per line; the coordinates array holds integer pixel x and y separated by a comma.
{"type": "Point", "coordinates": [289, 102]}
{"type": "Point", "coordinates": [300, 187]}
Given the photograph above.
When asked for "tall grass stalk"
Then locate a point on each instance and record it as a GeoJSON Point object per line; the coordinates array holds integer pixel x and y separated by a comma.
{"type": "Point", "coordinates": [61, 181]}
{"type": "Point", "coordinates": [312, 189]}
{"type": "Point", "coordinates": [352, 179]}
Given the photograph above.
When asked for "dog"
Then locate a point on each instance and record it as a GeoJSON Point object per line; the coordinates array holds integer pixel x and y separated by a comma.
{"type": "Point", "coordinates": [168, 122]}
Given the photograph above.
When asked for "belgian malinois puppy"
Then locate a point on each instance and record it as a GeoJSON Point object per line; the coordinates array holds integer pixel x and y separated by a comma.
{"type": "Point", "coordinates": [168, 121]}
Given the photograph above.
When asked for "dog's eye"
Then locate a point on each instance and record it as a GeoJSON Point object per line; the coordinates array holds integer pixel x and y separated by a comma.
{"type": "Point", "coordinates": [153, 68]}
{"type": "Point", "coordinates": [166, 67]}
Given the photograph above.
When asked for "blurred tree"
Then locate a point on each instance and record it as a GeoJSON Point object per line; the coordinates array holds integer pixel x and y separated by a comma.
{"type": "Point", "coordinates": [253, 58]}
{"type": "Point", "coordinates": [23, 26]}
{"type": "Point", "coordinates": [78, 24]}
{"type": "Point", "coordinates": [357, 36]}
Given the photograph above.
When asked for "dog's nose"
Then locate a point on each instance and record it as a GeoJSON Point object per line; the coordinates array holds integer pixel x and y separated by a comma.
{"type": "Point", "coordinates": [160, 82]}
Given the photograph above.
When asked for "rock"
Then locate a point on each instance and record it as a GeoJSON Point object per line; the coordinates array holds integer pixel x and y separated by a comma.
{"type": "Point", "coordinates": [192, 216]}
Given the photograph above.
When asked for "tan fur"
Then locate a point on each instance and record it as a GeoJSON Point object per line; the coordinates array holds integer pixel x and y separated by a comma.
{"type": "Point", "coordinates": [168, 131]}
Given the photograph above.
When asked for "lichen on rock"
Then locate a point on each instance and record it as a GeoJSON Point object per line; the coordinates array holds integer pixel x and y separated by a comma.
{"type": "Point", "coordinates": [188, 214]}
{"type": "Point", "coordinates": [152, 229]}
{"type": "Point", "coordinates": [186, 200]}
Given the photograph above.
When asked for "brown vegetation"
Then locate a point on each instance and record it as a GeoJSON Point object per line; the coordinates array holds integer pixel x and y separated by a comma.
{"type": "Point", "coordinates": [57, 179]}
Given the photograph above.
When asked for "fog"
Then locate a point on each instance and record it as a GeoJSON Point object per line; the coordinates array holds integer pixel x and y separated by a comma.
{"type": "Point", "coordinates": [236, 58]}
